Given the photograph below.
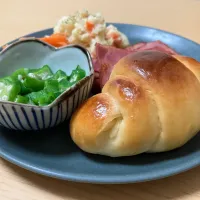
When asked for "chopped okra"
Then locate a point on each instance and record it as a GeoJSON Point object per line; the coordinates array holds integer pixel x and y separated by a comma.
{"type": "Point", "coordinates": [37, 86]}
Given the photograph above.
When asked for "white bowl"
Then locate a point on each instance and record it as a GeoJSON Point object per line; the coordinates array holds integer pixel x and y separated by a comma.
{"type": "Point", "coordinates": [33, 53]}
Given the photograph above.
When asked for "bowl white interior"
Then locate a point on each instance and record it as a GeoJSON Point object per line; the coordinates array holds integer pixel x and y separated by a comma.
{"type": "Point", "coordinates": [34, 54]}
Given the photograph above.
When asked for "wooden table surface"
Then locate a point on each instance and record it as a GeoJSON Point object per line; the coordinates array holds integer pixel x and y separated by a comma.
{"type": "Point", "coordinates": [21, 17]}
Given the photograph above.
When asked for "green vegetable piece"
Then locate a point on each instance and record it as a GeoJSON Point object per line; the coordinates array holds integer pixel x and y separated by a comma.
{"type": "Point", "coordinates": [52, 85]}
{"type": "Point", "coordinates": [42, 98]}
{"type": "Point", "coordinates": [24, 90]}
{"type": "Point", "coordinates": [9, 89]}
{"type": "Point", "coordinates": [33, 84]}
{"type": "Point", "coordinates": [59, 75]}
{"type": "Point", "coordinates": [43, 73]}
{"type": "Point", "coordinates": [76, 75]}
{"type": "Point", "coordinates": [64, 84]}
{"type": "Point", "coordinates": [28, 84]}
{"type": "Point", "coordinates": [22, 99]}
{"type": "Point", "coordinates": [20, 73]}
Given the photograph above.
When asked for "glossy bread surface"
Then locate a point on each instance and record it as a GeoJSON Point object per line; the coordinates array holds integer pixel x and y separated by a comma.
{"type": "Point", "coordinates": [150, 90]}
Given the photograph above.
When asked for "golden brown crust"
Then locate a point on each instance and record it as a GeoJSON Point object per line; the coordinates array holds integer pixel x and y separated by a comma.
{"type": "Point", "coordinates": [139, 121]}
{"type": "Point", "coordinates": [151, 103]}
{"type": "Point", "coordinates": [190, 63]}
{"type": "Point", "coordinates": [90, 119]}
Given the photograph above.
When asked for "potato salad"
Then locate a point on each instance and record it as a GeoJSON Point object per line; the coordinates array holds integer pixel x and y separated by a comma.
{"type": "Point", "coordinates": [88, 29]}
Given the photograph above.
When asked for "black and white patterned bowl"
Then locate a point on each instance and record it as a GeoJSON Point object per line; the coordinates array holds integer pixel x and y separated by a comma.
{"type": "Point", "coordinates": [33, 53]}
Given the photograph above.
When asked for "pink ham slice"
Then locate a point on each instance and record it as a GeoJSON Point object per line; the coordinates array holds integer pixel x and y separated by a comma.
{"type": "Point", "coordinates": [108, 56]}
{"type": "Point", "coordinates": [156, 45]}
{"type": "Point", "coordinates": [96, 84]}
{"type": "Point", "coordinates": [136, 46]}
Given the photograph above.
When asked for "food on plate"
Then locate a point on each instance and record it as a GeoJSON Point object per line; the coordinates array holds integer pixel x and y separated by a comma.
{"type": "Point", "coordinates": [106, 44]}
{"type": "Point", "coordinates": [57, 40]}
{"type": "Point", "coordinates": [87, 29]}
{"type": "Point", "coordinates": [149, 104]}
{"type": "Point", "coordinates": [156, 46]}
{"type": "Point", "coordinates": [37, 86]}
{"type": "Point", "coordinates": [107, 57]}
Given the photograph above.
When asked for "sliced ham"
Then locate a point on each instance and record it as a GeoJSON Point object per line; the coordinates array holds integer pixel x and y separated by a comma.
{"type": "Point", "coordinates": [108, 56]}
{"type": "Point", "coordinates": [96, 64]}
{"type": "Point", "coordinates": [96, 84]}
{"type": "Point", "coordinates": [136, 46]}
{"type": "Point", "coordinates": [156, 45]}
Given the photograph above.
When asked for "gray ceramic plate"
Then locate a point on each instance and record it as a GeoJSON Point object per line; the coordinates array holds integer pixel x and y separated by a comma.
{"type": "Point", "coordinates": [52, 153]}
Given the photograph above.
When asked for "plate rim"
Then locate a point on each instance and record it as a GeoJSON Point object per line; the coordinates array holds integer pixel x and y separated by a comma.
{"type": "Point", "coordinates": [113, 23]}
{"type": "Point", "coordinates": [117, 179]}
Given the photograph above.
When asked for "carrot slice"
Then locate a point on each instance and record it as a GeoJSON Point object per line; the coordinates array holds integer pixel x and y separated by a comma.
{"type": "Point", "coordinates": [56, 39]}
{"type": "Point", "coordinates": [115, 35]}
{"type": "Point", "coordinates": [89, 26]}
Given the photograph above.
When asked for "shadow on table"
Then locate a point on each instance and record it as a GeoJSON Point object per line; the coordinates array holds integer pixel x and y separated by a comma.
{"type": "Point", "coordinates": [174, 187]}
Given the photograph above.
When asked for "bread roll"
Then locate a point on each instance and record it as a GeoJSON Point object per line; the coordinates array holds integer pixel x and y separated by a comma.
{"type": "Point", "coordinates": [151, 103]}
